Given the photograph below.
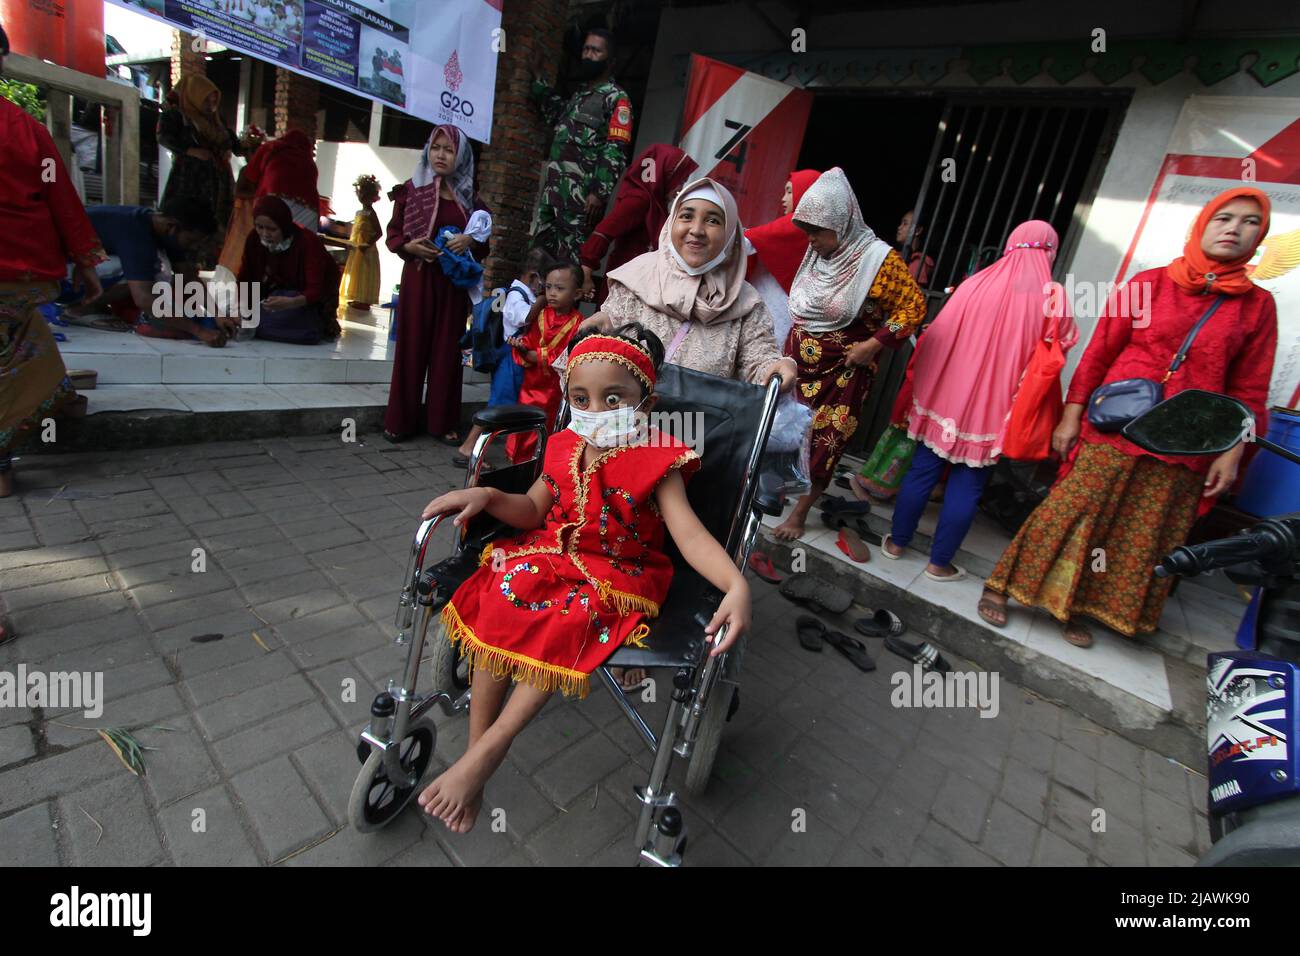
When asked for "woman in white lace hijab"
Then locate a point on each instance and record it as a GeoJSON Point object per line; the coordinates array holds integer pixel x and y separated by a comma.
{"type": "Point", "coordinates": [851, 297]}
{"type": "Point", "coordinates": [691, 292]}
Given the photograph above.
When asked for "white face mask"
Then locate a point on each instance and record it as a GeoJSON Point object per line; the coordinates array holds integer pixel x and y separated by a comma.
{"type": "Point", "coordinates": [611, 428]}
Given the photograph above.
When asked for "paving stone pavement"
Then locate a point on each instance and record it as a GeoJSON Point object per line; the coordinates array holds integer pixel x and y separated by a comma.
{"type": "Point", "coordinates": [229, 592]}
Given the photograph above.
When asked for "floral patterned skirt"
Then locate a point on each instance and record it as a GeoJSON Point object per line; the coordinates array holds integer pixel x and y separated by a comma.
{"type": "Point", "coordinates": [1092, 546]}
{"type": "Point", "coordinates": [834, 391]}
{"type": "Point", "coordinates": [33, 381]}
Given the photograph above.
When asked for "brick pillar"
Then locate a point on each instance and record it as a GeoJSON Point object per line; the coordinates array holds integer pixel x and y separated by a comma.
{"type": "Point", "coordinates": [297, 99]}
{"type": "Point", "coordinates": [511, 167]}
{"type": "Point", "coordinates": [185, 59]}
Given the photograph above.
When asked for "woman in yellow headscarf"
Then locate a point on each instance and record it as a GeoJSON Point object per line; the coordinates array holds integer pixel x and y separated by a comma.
{"type": "Point", "coordinates": [201, 146]}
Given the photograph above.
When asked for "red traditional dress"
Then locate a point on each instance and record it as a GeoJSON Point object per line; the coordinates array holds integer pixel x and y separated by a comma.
{"type": "Point", "coordinates": [570, 593]}
{"type": "Point", "coordinates": [549, 337]}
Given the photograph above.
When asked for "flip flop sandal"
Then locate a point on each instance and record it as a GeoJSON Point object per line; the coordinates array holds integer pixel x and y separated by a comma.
{"type": "Point", "coordinates": [811, 632]}
{"type": "Point", "coordinates": [852, 544]}
{"type": "Point", "coordinates": [942, 578]}
{"type": "Point", "coordinates": [891, 557]}
{"type": "Point", "coordinates": [883, 623]}
{"type": "Point", "coordinates": [856, 523]}
{"type": "Point", "coordinates": [842, 506]}
{"type": "Point", "coordinates": [1083, 640]}
{"type": "Point", "coordinates": [805, 589]}
{"type": "Point", "coordinates": [924, 654]}
{"type": "Point", "coordinates": [762, 566]}
{"type": "Point", "coordinates": [454, 439]}
{"type": "Point", "coordinates": [986, 605]}
{"type": "Point", "coordinates": [112, 325]}
{"type": "Point", "coordinates": [393, 438]}
{"type": "Point", "coordinates": [843, 481]}
{"type": "Point", "coordinates": [852, 648]}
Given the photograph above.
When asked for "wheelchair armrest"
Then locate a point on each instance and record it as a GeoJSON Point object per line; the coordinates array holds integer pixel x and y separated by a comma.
{"type": "Point", "coordinates": [509, 418]}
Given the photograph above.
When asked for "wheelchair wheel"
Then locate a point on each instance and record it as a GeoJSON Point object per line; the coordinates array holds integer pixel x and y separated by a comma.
{"type": "Point", "coordinates": [376, 801]}
{"type": "Point", "coordinates": [700, 769]}
{"type": "Point", "coordinates": [450, 673]}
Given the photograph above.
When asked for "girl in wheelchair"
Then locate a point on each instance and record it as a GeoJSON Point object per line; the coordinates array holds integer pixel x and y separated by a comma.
{"type": "Point", "coordinates": [548, 607]}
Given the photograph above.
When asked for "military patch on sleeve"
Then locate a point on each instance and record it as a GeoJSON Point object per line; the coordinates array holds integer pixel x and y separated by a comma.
{"type": "Point", "coordinates": [620, 121]}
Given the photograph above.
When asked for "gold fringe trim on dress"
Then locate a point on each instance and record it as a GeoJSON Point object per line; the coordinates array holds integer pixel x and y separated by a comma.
{"type": "Point", "coordinates": [638, 635]}
{"type": "Point", "coordinates": [501, 663]}
{"type": "Point", "coordinates": [624, 602]}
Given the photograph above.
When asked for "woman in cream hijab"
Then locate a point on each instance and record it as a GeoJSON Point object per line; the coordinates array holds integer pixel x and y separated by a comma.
{"type": "Point", "coordinates": [692, 293]}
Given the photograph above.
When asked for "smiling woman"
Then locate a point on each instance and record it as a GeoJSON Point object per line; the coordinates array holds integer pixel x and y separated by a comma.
{"type": "Point", "coordinates": [691, 292]}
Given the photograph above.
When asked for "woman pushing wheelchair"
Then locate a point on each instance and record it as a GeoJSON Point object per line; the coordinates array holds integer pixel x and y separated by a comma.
{"type": "Point", "coordinates": [548, 607]}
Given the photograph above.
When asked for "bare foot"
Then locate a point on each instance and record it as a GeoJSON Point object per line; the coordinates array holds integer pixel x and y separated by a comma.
{"type": "Point", "coordinates": [947, 571]}
{"type": "Point", "coordinates": [455, 796]}
{"type": "Point", "coordinates": [791, 529]}
{"type": "Point", "coordinates": [993, 608]}
{"type": "Point", "coordinates": [889, 547]}
{"type": "Point", "coordinates": [629, 678]}
{"type": "Point", "coordinates": [468, 817]}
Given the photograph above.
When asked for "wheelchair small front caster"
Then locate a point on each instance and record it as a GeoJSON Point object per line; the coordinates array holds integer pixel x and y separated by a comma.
{"type": "Point", "coordinates": [376, 801]}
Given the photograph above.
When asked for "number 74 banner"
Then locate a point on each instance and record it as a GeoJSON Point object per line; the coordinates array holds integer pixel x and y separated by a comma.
{"type": "Point", "coordinates": [745, 131]}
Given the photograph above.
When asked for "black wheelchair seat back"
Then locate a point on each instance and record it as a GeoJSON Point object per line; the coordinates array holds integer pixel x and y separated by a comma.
{"type": "Point", "coordinates": [720, 419]}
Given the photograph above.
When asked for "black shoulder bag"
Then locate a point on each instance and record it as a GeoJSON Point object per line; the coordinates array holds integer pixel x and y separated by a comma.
{"type": "Point", "coordinates": [1115, 404]}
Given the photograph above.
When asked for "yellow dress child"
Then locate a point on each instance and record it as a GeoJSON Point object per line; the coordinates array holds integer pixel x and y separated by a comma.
{"type": "Point", "coordinates": [360, 285]}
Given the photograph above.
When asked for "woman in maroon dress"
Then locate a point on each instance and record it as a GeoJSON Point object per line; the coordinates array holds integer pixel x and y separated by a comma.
{"type": "Point", "coordinates": [431, 312]}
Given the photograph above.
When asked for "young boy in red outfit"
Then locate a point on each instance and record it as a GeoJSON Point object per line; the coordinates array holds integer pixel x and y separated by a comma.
{"type": "Point", "coordinates": [552, 324]}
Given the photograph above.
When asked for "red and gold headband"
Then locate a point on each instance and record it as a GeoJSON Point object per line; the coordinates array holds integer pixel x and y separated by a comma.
{"type": "Point", "coordinates": [609, 348]}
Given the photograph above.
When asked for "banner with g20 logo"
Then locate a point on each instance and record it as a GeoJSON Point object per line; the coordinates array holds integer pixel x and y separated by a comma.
{"type": "Point", "coordinates": [435, 60]}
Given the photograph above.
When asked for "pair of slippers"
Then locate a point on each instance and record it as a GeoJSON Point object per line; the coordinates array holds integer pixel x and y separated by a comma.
{"type": "Point", "coordinates": [813, 634]}
{"type": "Point", "coordinates": [886, 624]}
{"type": "Point", "coordinates": [850, 519]}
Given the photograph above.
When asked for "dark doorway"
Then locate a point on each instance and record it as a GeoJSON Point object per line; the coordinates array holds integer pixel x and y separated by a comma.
{"type": "Point", "coordinates": [1011, 157]}
{"type": "Point", "coordinates": [882, 142]}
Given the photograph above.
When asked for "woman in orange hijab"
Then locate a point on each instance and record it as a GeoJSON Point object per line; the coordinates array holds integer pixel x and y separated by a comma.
{"type": "Point", "coordinates": [201, 146]}
{"type": "Point", "coordinates": [1117, 500]}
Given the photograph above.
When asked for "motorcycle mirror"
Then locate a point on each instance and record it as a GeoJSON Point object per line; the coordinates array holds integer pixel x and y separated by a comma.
{"type": "Point", "coordinates": [1193, 422]}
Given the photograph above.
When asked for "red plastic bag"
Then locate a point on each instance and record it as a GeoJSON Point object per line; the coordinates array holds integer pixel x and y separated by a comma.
{"type": "Point", "coordinates": [1038, 405]}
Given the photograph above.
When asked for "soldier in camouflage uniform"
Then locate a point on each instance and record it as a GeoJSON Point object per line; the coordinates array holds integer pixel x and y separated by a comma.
{"type": "Point", "coordinates": [593, 134]}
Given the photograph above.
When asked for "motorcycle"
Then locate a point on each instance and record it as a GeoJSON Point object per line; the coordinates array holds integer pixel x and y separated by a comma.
{"type": "Point", "coordinates": [1252, 707]}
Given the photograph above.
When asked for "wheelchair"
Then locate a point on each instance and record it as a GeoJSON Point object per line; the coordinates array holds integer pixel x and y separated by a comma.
{"type": "Point", "coordinates": [397, 745]}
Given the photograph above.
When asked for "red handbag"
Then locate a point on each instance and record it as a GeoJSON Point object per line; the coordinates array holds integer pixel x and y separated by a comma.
{"type": "Point", "coordinates": [1037, 407]}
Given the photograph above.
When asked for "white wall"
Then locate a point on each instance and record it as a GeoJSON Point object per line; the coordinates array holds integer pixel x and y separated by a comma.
{"type": "Point", "coordinates": [340, 164]}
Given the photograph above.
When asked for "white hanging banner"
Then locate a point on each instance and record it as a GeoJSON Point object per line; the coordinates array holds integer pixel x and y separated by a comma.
{"type": "Point", "coordinates": [437, 61]}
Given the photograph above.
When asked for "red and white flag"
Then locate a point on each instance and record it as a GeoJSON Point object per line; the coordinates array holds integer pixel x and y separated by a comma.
{"type": "Point", "coordinates": [745, 131]}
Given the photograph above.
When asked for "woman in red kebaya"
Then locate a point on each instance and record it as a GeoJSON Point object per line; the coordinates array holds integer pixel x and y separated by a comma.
{"type": "Point", "coordinates": [1132, 505]}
